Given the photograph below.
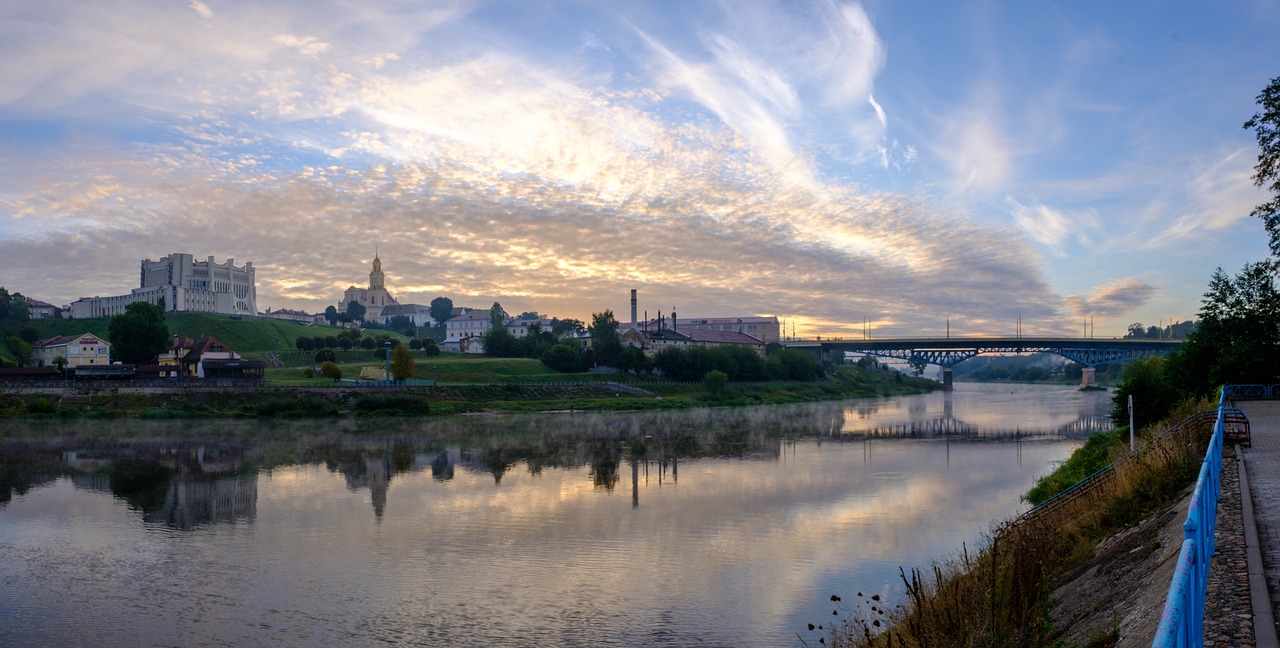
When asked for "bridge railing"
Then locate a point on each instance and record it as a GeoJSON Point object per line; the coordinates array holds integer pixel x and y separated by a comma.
{"type": "Point", "coordinates": [1182, 622]}
{"type": "Point", "coordinates": [1252, 392]}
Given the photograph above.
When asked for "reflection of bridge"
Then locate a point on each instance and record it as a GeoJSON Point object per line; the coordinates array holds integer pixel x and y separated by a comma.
{"type": "Point", "coordinates": [948, 352]}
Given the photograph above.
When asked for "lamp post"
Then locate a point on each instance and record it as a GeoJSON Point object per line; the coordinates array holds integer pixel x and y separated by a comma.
{"type": "Point", "coordinates": [387, 354]}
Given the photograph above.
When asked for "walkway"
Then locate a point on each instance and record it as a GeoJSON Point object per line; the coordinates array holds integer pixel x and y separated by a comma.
{"type": "Point", "coordinates": [1262, 513]}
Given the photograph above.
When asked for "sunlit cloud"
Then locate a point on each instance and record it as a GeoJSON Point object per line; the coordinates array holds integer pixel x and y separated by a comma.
{"type": "Point", "coordinates": [1113, 299]}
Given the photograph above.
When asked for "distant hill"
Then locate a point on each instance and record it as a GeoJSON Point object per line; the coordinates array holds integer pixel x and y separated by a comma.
{"type": "Point", "coordinates": [249, 336]}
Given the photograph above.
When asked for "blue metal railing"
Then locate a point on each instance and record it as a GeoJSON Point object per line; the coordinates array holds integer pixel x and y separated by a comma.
{"type": "Point", "coordinates": [1182, 623]}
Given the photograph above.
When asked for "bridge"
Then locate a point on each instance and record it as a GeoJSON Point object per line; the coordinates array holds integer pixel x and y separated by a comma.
{"type": "Point", "coordinates": [950, 351]}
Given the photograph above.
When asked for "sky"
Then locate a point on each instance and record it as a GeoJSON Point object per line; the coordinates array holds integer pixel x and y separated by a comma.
{"type": "Point", "coordinates": [891, 168]}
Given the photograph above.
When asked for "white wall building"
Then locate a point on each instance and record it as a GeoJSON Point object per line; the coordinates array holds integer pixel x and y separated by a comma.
{"type": "Point", "coordinates": [183, 284]}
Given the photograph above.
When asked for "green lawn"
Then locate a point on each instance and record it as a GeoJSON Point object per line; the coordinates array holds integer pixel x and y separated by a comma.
{"type": "Point", "coordinates": [444, 368]}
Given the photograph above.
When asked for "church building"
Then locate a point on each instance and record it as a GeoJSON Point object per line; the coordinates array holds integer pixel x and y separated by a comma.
{"type": "Point", "coordinates": [374, 298]}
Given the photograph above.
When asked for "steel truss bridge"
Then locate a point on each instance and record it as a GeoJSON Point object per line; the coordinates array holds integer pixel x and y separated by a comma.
{"type": "Point", "coordinates": [948, 352]}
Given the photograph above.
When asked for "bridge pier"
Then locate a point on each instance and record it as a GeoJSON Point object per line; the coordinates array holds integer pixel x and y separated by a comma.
{"type": "Point", "coordinates": [946, 379]}
{"type": "Point", "coordinates": [1088, 378]}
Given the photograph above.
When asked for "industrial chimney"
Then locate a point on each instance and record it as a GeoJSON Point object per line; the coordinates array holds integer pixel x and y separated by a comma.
{"type": "Point", "coordinates": [633, 310]}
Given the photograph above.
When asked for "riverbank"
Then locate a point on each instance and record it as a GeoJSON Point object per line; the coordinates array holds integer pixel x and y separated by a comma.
{"type": "Point", "coordinates": [338, 401]}
{"type": "Point", "coordinates": [1091, 568]}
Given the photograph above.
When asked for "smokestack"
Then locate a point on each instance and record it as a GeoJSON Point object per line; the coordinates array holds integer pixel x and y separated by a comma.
{"type": "Point", "coordinates": [633, 310]}
{"type": "Point", "coordinates": [674, 327]}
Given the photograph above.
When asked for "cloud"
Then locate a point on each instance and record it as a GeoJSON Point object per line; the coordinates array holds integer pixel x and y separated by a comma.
{"type": "Point", "coordinates": [483, 175]}
{"type": "Point", "coordinates": [1054, 228]}
{"type": "Point", "coordinates": [201, 8]}
{"type": "Point", "coordinates": [1112, 299]}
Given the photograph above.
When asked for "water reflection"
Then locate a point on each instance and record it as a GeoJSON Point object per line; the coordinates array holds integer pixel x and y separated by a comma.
{"type": "Point", "coordinates": [725, 527]}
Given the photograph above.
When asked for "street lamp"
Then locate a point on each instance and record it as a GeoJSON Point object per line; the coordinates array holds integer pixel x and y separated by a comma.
{"type": "Point", "coordinates": [387, 354]}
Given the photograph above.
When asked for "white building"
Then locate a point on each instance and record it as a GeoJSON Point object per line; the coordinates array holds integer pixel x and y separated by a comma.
{"type": "Point", "coordinates": [417, 313]}
{"type": "Point", "coordinates": [289, 315]}
{"type": "Point", "coordinates": [180, 283]}
{"type": "Point", "coordinates": [83, 349]}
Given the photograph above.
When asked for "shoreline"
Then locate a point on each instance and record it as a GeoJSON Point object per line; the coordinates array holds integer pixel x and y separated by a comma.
{"type": "Point", "coordinates": [203, 402]}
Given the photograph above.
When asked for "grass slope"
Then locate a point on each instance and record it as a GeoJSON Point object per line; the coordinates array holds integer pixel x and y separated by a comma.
{"type": "Point", "coordinates": [248, 337]}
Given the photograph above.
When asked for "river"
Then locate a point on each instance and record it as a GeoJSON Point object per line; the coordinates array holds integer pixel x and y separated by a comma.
{"type": "Point", "coordinates": [724, 527]}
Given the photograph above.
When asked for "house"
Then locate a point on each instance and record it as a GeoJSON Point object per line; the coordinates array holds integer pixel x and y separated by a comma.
{"type": "Point", "coordinates": [518, 328]}
{"type": "Point", "coordinates": [41, 310]}
{"type": "Point", "coordinates": [288, 315]}
{"type": "Point", "coordinates": [417, 313]}
{"type": "Point", "coordinates": [652, 341]}
{"type": "Point", "coordinates": [206, 357]}
{"type": "Point", "coordinates": [77, 350]}
{"type": "Point", "coordinates": [467, 325]}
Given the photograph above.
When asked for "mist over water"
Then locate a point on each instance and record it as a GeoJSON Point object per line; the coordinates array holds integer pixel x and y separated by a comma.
{"type": "Point", "coordinates": [705, 527]}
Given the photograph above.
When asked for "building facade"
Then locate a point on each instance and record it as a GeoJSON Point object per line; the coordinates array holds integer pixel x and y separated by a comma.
{"type": "Point", "coordinates": [289, 315]}
{"type": "Point", "coordinates": [180, 283]}
{"type": "Point", "coordinates": [83, 349]}
{"type": "Point", "coordinates": [766, 329]}
{"type": "Point", "coordinates": [374, 298]}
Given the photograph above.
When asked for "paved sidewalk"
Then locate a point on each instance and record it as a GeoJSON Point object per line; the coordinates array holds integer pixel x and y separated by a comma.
{"type": "Point", "coordinates": [1262, 467]}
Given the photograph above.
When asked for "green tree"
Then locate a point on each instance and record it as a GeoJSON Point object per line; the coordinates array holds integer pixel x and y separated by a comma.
{"type": "Point", "coordinates": [431, 349]}
{"type": "Point", "coordinates": [138, 334]}
{"type": "Point", "coordinates": [303, 343]}
{"type": "Point", "coordinates": [497, 316]}
{"type": "Point", "coordinates": [331, 370]}
{"type": "Point", "coordinates": [402, 365]}
{"type": "Point", "coordinates": [13, 307]}
{"type": "Point", "coordinates": [367, 342]}
{"type": "Point", "coordinates": [563, 327]}
{"type": "Point", "coordinates": [331, 315]}
{"type": "Point", "coordinates": [60, 362]}
{"type": "Point", "coordinates": [355, 311]}
{"type": "Point", "coordinates": [29, 334]}
{"type": "Point", "coordinates": [1154, 395]}
{"type": "Point", "coordinates": [19, 348]}
{"type": "Point", "coordinates": [500, 343]}
{"type": "Point", "coordinates": [715, 381]}
{"type": "Point", "coordinates": [441, 309]}
{"type": "Point", "coordinates": [565, 357]}
{"type": "Point", "coordinates": [345, 343]}
{"type": "Point", "coordinates": [325, 355]}
{"type": "Point", "coordinates": [605, 340]}
{"type": "Point", "coordinates": [1266, 174]}
{"type": "Point", "coordinates": [1237, 339]}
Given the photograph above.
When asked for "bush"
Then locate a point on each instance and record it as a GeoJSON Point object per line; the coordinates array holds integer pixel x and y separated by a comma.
{"type": "Point", "coordinates": [331, 371]}
{"type": "Point", "coordinates": [565, 357]}
{"type": "Point", "coordinates": [325, 355]}
{"type": "Point", "coordinates": [715, 381]}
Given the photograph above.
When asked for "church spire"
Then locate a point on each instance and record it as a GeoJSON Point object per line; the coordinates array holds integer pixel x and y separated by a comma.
{"type": "Point", "coordinates": [376, 278]}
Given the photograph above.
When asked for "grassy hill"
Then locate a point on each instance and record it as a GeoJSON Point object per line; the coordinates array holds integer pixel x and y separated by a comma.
{"type": "Point", "coordinates": [249, 337]}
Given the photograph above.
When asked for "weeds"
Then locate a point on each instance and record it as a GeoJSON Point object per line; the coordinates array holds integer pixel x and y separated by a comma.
{"type": "Point", "coordinates": [998, 596]}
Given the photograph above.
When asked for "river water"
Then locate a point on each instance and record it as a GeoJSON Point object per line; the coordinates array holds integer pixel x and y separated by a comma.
{"type": "Point", "coordinates": [725, 527]}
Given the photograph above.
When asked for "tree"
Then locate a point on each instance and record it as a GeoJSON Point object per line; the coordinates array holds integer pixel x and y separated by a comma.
{"type": "Point", "coordinates": [325, 355]}
{"type": "Point", "coordinates": [29, 334]}
{"type": "Point", "coordinates": [563, 327]}
{"type": "Point", "coordinates": [441, 309]}
{"type": "Point", "coordinates": [605, 340]}
{"type": "Point", "coordinates": [565, 357]}
{"type": "Point", "coordinates": [431, 349]}
{"type": "Point", "coordinates": [138, 334]}
{"type": "Point", "coordinates": [1136, 330]}
{"type": "Point", "coordinates": [331, 370]}
{"type": "Point", "coordinates": [497, 316]}
{"type": "Point", "coordinates": [715, 381]}
{"type": "Point", "coordinates": [13, 307]}
{"type": "Point", "coordinates": [402, 324]}
{"type": "Point", "coordinates": [345, 343]}
{"type": "Point", "coordinates": [500, 343]}
{"type": "Point", "coordinates": [303, 343]}
{"type": "Point", "coordinates": [367, 342]}
{"type": "Point", "coordinates": [60, 362]}
{"type": "Point", "coordinates": [1266, 174]}
{"type": "Point", "coordinates": [402, 365]}
{"type": "Point", "coordinates": [19, 348]}
{"type": "Point", "coordinates": [355, 311]}
{"type": "Point", "coordinates": [415, 344]}
{"type": "Point", "coordinates": [331, 315]}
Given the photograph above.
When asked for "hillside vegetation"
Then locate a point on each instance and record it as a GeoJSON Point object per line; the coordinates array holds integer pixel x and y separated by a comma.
{"type": "Point", "coordinates": [252, 338]}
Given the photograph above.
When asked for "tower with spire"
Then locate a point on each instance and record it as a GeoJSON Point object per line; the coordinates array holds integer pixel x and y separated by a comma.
{"type": "Point", "coordinates": [374, 298]}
